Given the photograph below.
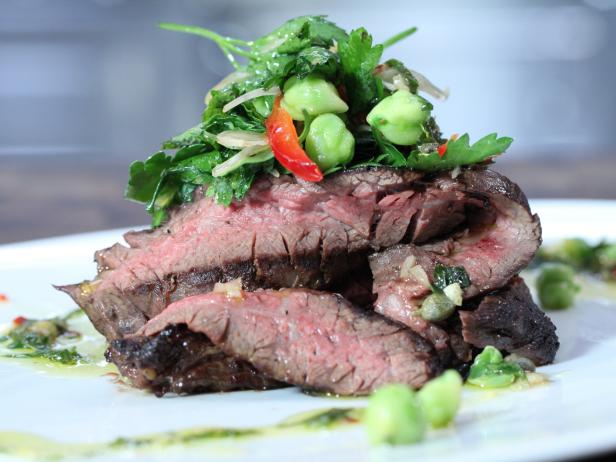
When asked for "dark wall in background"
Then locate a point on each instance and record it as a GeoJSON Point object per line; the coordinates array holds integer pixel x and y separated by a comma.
{"type": "Point", "coordinates": [86, 86]}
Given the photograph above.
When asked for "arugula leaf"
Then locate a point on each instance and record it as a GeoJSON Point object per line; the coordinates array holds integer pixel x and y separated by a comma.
{"type": "Point", "coordinates": [460, 153]}
{"type": "Point", "coordinates": [358, 58]}
{"type": "Point", "coordinates": [446, 275]}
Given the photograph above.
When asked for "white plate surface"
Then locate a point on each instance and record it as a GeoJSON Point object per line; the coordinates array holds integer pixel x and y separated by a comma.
{"type": "Point", "coordinates": [574, 415]}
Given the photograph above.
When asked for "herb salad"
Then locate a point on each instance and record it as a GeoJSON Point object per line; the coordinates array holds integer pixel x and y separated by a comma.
{"type": "Point", "coordinates": [307, 99]}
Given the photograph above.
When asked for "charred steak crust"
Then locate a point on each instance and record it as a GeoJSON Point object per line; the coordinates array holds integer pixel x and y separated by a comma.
{"type": "Point", "coordinates": [509, 320]}
{"type": "Point", "coordinates": [177, 360]}
{"type": "Point", "coordinates": [307, 338]}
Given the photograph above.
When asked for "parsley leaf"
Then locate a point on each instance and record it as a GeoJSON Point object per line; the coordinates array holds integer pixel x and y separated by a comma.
{"type": "Point", "coordinates": [460, 153]}
{"type": "Point", "coordinates": [446, 275]}
{"type": "Point", "coordinates": [358, 58]}
{"type": "Point", "coordinates": [194, 135]}
{"type": "Point", "coordinates": [299, 33]}
{"type": "Point", "coordinates": [316, 60]}
{"type": "Point", "coordinates": [407, 76]}
{"type": "Point", "coordinates": [390, 155]}
{"type": "Point", "coordinates": [145, 176]}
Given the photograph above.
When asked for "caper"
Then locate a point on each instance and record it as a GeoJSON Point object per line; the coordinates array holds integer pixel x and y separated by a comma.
{"type": "Point", "coordinates": [329, 142]}
{"type": "Point", "coordinates": [521, 361]}
{"type": "Point", "coordinates": [45, 328]}
{"type": "Point", "coordinates": [312, 95]}
{"type": "Point", "coordinates": [399, 117]}
{"type": "Point", "coordinates": [394, 416]}
{"type": "Point", "coordinates": [436, 307]}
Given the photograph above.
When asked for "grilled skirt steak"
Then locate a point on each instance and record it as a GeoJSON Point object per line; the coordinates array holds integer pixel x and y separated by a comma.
{"type": "Point", "coordinates": [501, 239]}
{"type": "Point", "coordinates": [313, 339]}
{"type": "Point", "coordinates": [177, 360]}
{"type": "Point", "coordinates": [181, 361]}
{"type": "Point", "coordinates": [284, 233]}
{"type": "Point", "coordinates": [351, 233]}
{"type": "Point", "coordinates": [510, 321]}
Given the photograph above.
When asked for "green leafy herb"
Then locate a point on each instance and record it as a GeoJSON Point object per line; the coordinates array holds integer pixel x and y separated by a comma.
{"type": "Point", "coordinates": [194, 135]}
{"type": "Point", "coordinates": [390, 155]}
{"type": "Point", "coordinates": [358, 58]}
{"type": "Point", "coordinates": [316, 60]}
{"type": "Point", "coordinates": [407, 76]}
{"type": "Point", "coordinates": [446, 275]}
{"type": "Point", "coordinates": [36, 338]}
{"type": "Point", "coordinates": [459, 153]}
{"type": "Point", "coordinates": [299, 33]}
{"type": "Point", "coordinates": [301, 47]}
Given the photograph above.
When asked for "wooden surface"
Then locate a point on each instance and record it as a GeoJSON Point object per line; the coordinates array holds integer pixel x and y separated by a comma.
{"type": "Point", "coordinates": [51, 196]}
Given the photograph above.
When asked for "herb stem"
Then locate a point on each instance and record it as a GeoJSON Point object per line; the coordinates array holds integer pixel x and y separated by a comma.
{"type": "Point", "coordinates": [399, 36]}
{"type": "Point", "coordinates": [228, 45]}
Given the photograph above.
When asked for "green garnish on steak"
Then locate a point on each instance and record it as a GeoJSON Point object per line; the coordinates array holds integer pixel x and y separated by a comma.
{"type": "Point", "coordinates": [308, 98]}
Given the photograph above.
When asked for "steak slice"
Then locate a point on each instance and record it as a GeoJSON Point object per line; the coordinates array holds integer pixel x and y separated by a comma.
{"type": "Point", "coordinates": [307, 338]}
{"type": "Point", "coordinates": [284, 233]}
{"type": "Point", "coordinates": [177, 360]}
{"type": "Point", "coordinates": [509, 320]}
{"type": "Point", "coordinates": [500, 239]}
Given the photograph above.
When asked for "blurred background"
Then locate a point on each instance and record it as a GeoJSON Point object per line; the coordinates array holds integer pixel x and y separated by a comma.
{"type": "Point", "coordinates": [87, 86]}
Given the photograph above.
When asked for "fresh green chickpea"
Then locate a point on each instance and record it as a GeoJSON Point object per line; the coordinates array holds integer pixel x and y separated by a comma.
{"type": "Point", "coordinates": [329, 143]}
{"type": "Point", "coordinates": [436, 307]}
{"type": "Point", "coordinates": [399, 117]}
{"type": "Point", "coordinates": [394, 416]}
{"type": "Point", "coordinates": [489, 355]}
{"type": "Point", "coordinates": [489, 370]}
{"type": "Point", "coordinates": [556, 287]}
{"type": "Point", "coordinates": [606, 256]}
{"type": "Point", "coordinates": [313, 95]}
{"type": "Point", "coordinates": [575, 251]}
{"type": "Point", "coordinates": [525, 363]}
{"type": "Point", "coordinates": [440, 398]}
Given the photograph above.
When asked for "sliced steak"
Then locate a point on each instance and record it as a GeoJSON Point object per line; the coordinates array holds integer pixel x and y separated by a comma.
{"type": "Point", "coordinates": [284, 233]}
{"type": "Point", "coordinates": [307, 338]}
{"type": "Point", "coordinates": [509, 320]}
{"type": "Point", "coordinates": [177, 360]}
{"type": "Point", "coordinates": [500, 238]}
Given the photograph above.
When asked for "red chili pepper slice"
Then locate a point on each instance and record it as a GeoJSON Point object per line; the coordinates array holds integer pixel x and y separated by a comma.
{"type": "Point", "coordinates": [284, 142]}
{"type": "Point", "coordinates": [442, 149]}
{"type": "Point", "coordinates": [3, 298]}
{"type": "Point", "coordinates": [19, 320]}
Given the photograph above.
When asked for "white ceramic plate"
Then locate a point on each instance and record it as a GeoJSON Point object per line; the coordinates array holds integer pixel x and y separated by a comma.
{"type": "Point", "coordinates": [574, 415]}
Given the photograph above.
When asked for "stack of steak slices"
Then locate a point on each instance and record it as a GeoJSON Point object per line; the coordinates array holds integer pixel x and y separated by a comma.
{"type": "Point", "coordinates": [324, 302]}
